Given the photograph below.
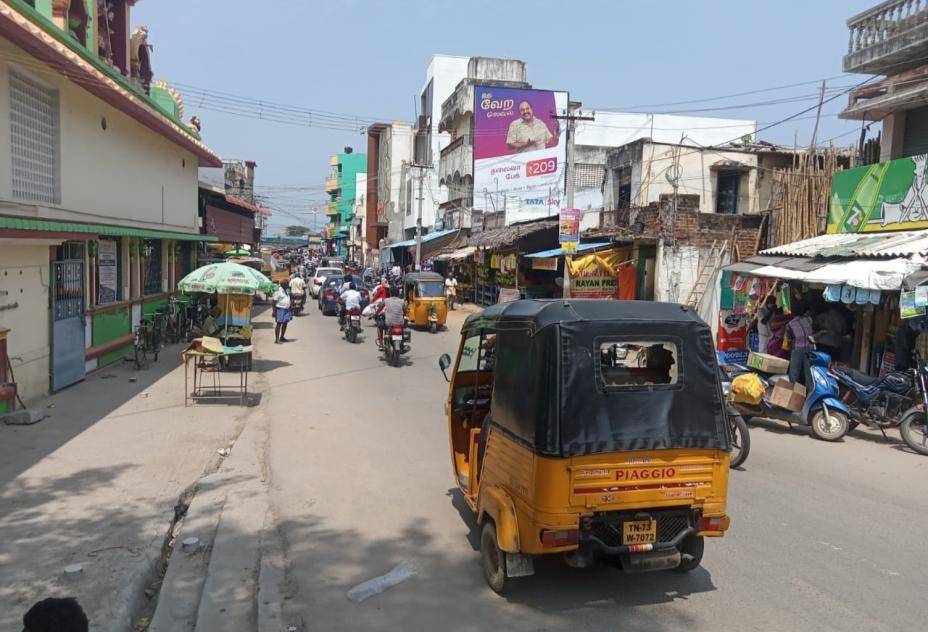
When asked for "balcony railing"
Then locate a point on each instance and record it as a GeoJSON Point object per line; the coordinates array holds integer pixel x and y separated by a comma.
{"type": "Point", "coordinates": [331, 184]}
{"type": "Point", "coordinates": [457, 142]}
{"type": "Point", "coordinates": [888, 38]}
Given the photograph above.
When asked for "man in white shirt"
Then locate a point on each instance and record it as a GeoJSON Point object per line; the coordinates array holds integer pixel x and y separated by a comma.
{"type": "Point", "coordinates": [527, 133]}
{"type": "Point", "coordinates": [451, 289]}
{"type": "Point", "coordinates": [297, 286]}
{"type": "Point", "coordinates": [351, 300]}
{"type": "Point", "coordinates": [282, 313]}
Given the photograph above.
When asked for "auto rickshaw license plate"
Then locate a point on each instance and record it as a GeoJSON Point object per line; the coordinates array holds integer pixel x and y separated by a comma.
{"type": "Point", "coordinates": [639, 532]}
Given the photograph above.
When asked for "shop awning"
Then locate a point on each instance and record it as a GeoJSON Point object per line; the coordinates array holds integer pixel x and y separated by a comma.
{"type": "Point", "coordinates": [425, 239]}
{"type": "Point", "coordinates": [559, 252]}
{"type": "Point", "coordinates": [871, 274]}
{"type": "Point", "coordinates": [457, 255]}
{"type": "Point", "coordinates": [53, 226]}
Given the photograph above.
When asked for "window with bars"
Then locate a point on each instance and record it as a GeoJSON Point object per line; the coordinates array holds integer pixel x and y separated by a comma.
{"type": "Point", "coordinates": [589, 176]}
{"type": "Point", "coordinates": [34, 140]}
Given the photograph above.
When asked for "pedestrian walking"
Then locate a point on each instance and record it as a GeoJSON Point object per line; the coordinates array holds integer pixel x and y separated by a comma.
{"type": "Point", "coordinates": [282, 313]}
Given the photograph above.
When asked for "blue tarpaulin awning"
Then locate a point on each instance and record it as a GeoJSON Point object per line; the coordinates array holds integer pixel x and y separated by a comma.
{"type": "Point", "coordinates": [559, 252]}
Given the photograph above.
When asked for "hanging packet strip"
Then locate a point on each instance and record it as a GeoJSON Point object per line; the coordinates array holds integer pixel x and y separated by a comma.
{"type": "Point", "coordinates": [832, 293]}
{"type": "Point", "coordinates": [783, 299]}
{"type": "Point", "coordinates": [862, 296]}
{"type": "Point", "coordinates": [874, 297]}
{"type": "Point", "coordinates": [921, 296]}
{"type": "Point", "coordinates": [847, 294]}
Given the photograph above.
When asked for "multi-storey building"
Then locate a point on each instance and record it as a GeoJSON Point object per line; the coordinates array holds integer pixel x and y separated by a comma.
{"type": "Point", "coordinates": [341, 187]}
{"type": "Point", "coordinates": [98, 192]}
{"type": "Point", "coordinates": [389, 148]}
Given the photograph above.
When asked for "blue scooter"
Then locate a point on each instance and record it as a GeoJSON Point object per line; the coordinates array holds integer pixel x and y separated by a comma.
{"type": "Point", "coordinates": [825, 414]}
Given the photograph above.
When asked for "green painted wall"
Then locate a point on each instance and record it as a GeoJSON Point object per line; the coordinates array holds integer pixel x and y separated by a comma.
{"type": "Point", "coordinates": [109, 326]}
{"type": "Point", "coordinates": [351, 165]}
{"type": "Point", "coordinates": [149, 307]}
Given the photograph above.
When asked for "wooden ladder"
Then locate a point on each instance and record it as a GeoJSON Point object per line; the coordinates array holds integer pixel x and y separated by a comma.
{"type": "Point", "coordinates": [707, 272]}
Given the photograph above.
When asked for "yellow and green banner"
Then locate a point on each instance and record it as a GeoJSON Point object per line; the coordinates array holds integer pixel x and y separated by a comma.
{"type": "Point", "coordinates": [885, 196]}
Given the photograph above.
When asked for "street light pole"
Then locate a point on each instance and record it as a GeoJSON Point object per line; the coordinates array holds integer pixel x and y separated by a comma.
{"type": "Point", "coordinates": [422, 169]}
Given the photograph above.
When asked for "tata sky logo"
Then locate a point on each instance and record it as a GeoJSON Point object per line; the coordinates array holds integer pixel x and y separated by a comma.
{"type": "Point", "coordinates": [541, 201]}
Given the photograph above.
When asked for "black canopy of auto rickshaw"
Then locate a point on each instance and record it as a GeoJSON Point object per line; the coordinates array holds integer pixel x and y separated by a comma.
{"type": "Point", "coordinates": [415, 277]}
{"type": "Point", "coordinates": [547, 386]}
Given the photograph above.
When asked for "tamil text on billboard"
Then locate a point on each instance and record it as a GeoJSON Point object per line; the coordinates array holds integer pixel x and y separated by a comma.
{"type": "Point", "coordinates": [520, 151]}
{"type": "Point", "coordinates": [889, 195]}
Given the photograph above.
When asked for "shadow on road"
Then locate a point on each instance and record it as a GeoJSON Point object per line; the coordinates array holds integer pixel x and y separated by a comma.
{"type": "Point", "coordinates": [449, 592]}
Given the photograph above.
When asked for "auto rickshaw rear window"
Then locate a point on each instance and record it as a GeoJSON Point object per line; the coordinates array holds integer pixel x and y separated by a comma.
{"type": "Point", "coordinates": [637, 363]}
{"type": "Point", "coordinates": [430, 289]}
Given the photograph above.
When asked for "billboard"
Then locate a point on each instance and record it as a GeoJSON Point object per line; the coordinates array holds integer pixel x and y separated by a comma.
{"type": "Point", "coordinates": [520, 151]}
{"type": "Point", "coordinates": [889, 195]}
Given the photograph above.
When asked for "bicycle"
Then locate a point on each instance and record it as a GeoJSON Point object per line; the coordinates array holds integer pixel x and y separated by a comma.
{"type": "Point", "coordinates": [176, 317]}
{"type": "Point", "coordinates": [146, 341]}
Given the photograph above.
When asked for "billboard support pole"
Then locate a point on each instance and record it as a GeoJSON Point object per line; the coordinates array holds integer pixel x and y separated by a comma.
{"type": "Point", "coordinates": [572, 106]}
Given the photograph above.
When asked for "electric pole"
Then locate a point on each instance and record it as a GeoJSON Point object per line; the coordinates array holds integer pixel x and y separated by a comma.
{"type": "Point", "coordinates": [572, 118]}
{"type": "Point", "coordinates": [422, 169]}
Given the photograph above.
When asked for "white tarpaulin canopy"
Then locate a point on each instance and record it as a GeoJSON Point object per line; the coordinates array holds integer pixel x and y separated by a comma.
{"type": "Point", "coordinates": [462, 253]}
{"type": "Point", "coordinates": [871, 274]}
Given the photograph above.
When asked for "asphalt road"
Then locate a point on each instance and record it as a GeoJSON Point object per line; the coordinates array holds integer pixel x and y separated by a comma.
{"type": "Point", "coordinates": [823, 536]}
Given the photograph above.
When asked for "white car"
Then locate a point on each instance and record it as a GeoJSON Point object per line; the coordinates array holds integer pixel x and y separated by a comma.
{"type": "Point", "coordinates": [318, 279]}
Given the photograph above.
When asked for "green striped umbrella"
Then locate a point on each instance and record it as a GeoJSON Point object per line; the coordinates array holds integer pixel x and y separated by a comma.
{"type": "Point", "coordinates": [226, 278]}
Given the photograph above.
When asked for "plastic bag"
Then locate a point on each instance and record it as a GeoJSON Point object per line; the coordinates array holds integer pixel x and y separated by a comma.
{"type": "Point", "coordinates": [400, 573]}
{"type": "Point", "coordinates": [747, 389]}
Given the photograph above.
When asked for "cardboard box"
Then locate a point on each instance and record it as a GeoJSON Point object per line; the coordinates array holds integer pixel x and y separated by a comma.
{"type": "Point", "coordinates": [767, 363]}
{"type": "Point", "coordinates": [788, 395]}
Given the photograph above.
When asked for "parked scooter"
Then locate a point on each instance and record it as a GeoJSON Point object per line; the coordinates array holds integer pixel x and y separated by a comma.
{"type": "Point", "coordinates": [825, 414]}
{"type": "Point", "coordinates": [876, 402]}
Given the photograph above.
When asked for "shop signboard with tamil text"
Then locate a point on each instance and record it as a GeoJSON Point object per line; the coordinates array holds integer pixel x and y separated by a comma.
{"type": "Point", "coordinates": [890, 195]}
{"type": "Point", "coordinates": [520, 151]}
{"type": "Point", "coordinates": [596, 275]}
{"type": "Point", "coordinates": [569, 229]}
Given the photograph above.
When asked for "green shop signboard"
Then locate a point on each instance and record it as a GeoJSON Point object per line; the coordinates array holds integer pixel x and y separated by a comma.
{"type": "Point", "coordinates": [886, 196]}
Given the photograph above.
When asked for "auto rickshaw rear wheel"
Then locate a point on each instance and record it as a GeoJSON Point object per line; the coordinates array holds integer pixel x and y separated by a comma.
{"type": "Point", "coordinates": [494, 559]}
{"type": "Point", "coordinates": [692, 550]}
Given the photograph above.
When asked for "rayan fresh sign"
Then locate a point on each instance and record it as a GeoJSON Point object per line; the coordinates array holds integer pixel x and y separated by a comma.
{"type": "Point", "coordinates": [885, 196]}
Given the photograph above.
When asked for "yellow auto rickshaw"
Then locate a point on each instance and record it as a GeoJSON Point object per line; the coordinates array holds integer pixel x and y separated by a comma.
{"type": "Point", "coordinates": [426, 305]}
{"type": "Point", "coordinates": [591, 429]}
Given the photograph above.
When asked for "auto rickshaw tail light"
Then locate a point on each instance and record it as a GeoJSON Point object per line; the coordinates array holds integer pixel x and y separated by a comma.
{"type": "Point", "coordinates": [553, 539]}
{"type": "Point", "coordinates": [714, 523]}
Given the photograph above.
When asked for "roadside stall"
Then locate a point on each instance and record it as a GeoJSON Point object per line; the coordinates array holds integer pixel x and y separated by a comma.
{"type": "Point", "coordinates": [858, 277]}
{"type": "Point", "coordinates": [234, 286]}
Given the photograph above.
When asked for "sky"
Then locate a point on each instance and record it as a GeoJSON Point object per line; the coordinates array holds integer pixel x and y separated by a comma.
{"type": "Point", "coordinates": [317, 64]}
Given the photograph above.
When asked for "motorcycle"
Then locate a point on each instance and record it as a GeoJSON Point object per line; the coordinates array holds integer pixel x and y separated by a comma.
{"type": "Point", "coordinates": [396, 342]}
{"type": "Point", "coordinates": [876, 402]}
{"type": "Point", "coordinates": [353, 325]}
{"type": "Point", "coordinates": [825, 414]}
{"type": "Point", "coordinates": [914, 424]}
{"type": "Point", "coordinates": [298, 301]}
{"type": "Point", "coordinates": [737, 428]}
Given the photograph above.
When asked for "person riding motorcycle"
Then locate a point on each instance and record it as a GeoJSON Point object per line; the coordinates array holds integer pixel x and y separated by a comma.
{"type": "Point", "coordinates": [349, 300]}
{"type": "Point", "coordinates": [298, 289]}
{"type": "Point", "coordinates": [391, 313]}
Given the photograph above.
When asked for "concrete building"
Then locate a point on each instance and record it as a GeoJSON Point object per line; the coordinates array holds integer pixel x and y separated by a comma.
{"type": "Point", "coordinates": [98, 194]}
{"type": "Point", "coordinates": [443, 74]}
{"type": "Point", "coordinates": [340, 186]}
{"type": "Point", "coordinates": [891, 39]}
{"type": "Point", "coordinates": [456, 163]}
{"type": "Point", "coordinates": [389, 148]}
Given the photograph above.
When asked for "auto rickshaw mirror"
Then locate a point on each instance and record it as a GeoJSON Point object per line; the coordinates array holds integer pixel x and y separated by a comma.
{"type": "Point", "coordinates": [443, 363]}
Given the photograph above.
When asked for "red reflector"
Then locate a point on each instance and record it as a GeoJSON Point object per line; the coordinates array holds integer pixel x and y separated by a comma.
{"type": "Point", "coordinates": [560, 538]}
{"type": "Point", "coordinates": [710, 524]}
{"type": "Point", "coordinates": [396, 330]}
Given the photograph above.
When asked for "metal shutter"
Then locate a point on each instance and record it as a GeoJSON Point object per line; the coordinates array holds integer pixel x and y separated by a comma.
{"type": "Point", "coordinates": [34, 140]}
{"type": "Point", "coordinates": [915, 140]}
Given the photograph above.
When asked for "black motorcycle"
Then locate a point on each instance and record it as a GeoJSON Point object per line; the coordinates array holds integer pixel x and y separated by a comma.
{"type": "Point", "coordinates": [914, 422]}
{"type": "Point", "coordinates": [875, 402]}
